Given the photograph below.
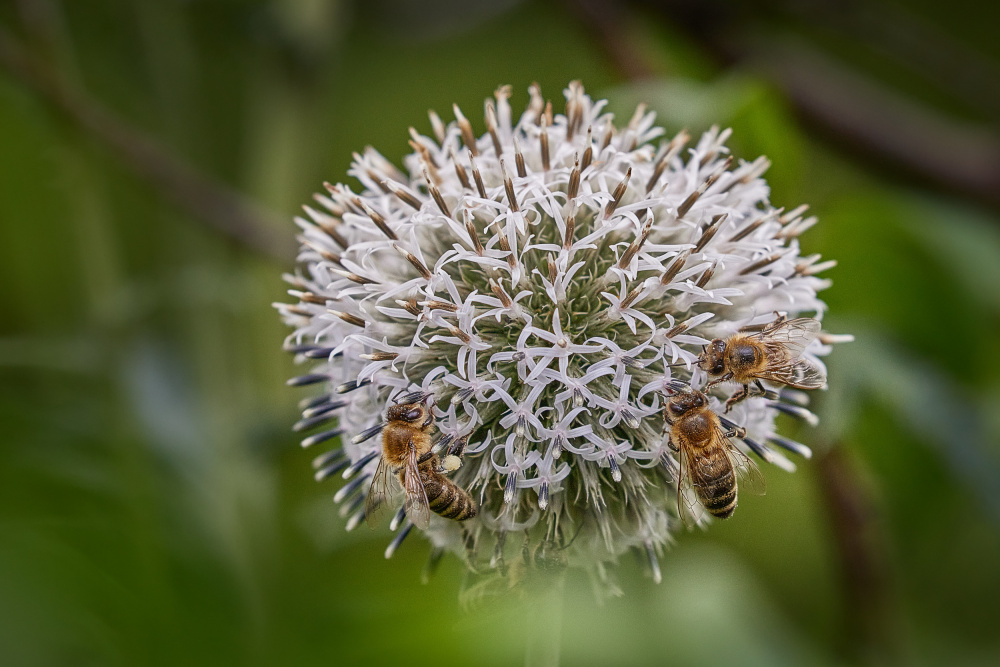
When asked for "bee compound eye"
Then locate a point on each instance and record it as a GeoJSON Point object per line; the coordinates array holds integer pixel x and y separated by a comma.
{"type": "Point", "coordinates": [677, 408]}
{"type": "Point", "coordinates": [413, 415]}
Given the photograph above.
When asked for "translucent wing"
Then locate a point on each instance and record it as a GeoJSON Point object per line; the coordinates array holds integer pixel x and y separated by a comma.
{"type": "Point", "coordinates": [749, 477]}
{"type": "Point", "coordinates": [379, 493]}
{"type": "Point", "coordinates": [688, 507]}
{"type": "Point", "coordinates": [798, 373]}
{"type": "Point", "coordinates": [791, 336]}
{"type": "Point", "coordinates": [418, 509]}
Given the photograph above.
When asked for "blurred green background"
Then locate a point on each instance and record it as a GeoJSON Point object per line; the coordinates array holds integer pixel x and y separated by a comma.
{"type": "Point", "coordinates": [155, 508]}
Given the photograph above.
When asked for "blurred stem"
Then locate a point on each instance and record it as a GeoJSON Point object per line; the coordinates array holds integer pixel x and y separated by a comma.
{"type": "Point", "coordinates": [544, 618]}
{"type": "Point", "coordinates": [221, 208]}
{"type": "Point", "coordinates": [863, 567]}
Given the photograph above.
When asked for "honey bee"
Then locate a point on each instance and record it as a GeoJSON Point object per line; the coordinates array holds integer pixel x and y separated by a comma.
{"type": "Point", "coordinates": [709, 462]}
{"type": "Point", "coordinates": [406, 452]}
{"type": "Point", "coordinates": [773, 354]}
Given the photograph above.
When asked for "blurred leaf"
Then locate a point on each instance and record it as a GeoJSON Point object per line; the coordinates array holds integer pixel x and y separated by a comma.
{"type": "Point", "coordinates": [681, 103]}
{"type": "Point", "coordinates": [925, 403]}
{"type": "Point", "coordinates": [964, 241]}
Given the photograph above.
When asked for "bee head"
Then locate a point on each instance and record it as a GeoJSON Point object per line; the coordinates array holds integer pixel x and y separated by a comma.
{"type": "Point", "coordinates": [410, 412]}
{"type": "Point", "coordinates": [684, 401]}
{"type": "Point", "coordinates": [713, 357]}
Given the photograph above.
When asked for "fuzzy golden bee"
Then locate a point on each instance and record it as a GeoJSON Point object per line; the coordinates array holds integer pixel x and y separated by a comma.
{"type": "Point", "coordinates": [773, 354]}
{"type": "Point", "coordinates": [709, 462]}
{"type": "Point", "coordinates": [406, 453]}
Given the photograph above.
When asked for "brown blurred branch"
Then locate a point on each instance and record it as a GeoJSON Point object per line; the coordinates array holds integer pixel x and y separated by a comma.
{"type": "Point", "coordinates": [853, 109]}
{"type": "Point", "coordinates": [606, 23]}
{"type": "Point", "coordinates": [868, 631]}
{"type": "Point", "coordinates": [956, 156]}
{"type": "Point", "coordinates": [214, 204]}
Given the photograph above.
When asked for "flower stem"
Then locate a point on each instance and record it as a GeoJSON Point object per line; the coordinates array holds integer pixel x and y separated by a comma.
{"type": "Point", "coordinates": [544, 618]}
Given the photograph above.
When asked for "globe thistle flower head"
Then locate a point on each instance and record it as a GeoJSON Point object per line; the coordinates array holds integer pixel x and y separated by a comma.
{"type": "Point", "coordinates": [542, 287]}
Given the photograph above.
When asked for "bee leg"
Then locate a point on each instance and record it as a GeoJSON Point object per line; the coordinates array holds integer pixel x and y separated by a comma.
{"type": "Point", "coordinates": [526, 549]}
{"type": "Point", "coordinates": [763, 391]}
{"type": "Point", "coordinates": [725, 378]}
{"type": "Point", "coordinates": [448, 464]}
{"type": "Point", "coordinates": [737, 397]}
{"type": "Point", "coordinates": [497, 562]}
{"type": "Point", "coordinates": [471, 546]}
{"type": "Point", "coordinates": [425, 458]}
{"type": "Point", "coordinates": [457, 448]}
{"type": "Point", "coordinates": [736, 432]}
{"type": "Point", "coordinates": [779, 319]}
{"type": "Point", "coordinates": [672, 445]}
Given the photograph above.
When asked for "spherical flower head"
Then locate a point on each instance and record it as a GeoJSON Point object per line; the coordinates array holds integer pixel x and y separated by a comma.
{"type": "Point", "coordinates": [542, 287]}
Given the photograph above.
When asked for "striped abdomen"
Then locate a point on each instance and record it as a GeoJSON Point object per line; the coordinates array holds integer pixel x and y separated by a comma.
{"type": "Point", "coordinates": [714, 480]}
{"type": "Point", "coordinates": [446, 498]}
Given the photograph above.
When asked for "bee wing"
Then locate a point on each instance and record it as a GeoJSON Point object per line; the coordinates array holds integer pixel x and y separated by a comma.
{"type": "Point", "coordinates": [792, 336]}
{"type": "Point", "coordinates": [418, 509]}
{"type": "Point", "coordinates": [378, 493]}
{"type": "Point", "coordinates": [687, 502]}
{"type": "Point", "coordinates": [749, 476]}
{"type": "Point", "coordinates": [799, 373]}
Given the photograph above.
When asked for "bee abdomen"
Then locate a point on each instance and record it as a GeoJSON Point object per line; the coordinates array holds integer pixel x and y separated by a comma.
{"type": "Point", "coordinates": [723, 505]}
{"type": "Point", "coordinates": [446, 499]}
{"type": "Point", "coordinates": [718, 495]}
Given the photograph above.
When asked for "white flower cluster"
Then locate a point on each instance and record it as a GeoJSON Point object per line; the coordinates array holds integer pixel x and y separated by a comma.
{"type": "Point", "coordinates": [541, 285]}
